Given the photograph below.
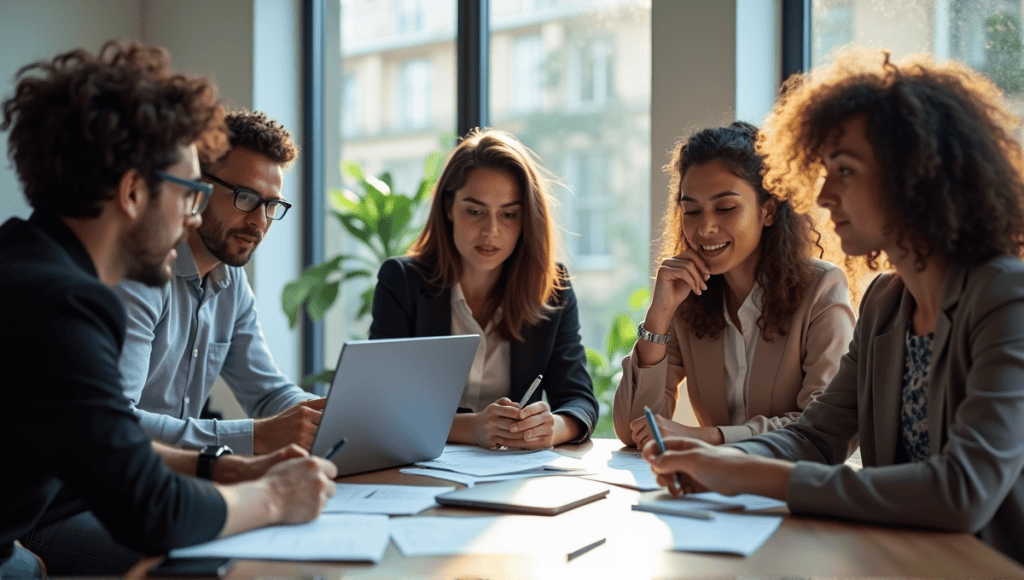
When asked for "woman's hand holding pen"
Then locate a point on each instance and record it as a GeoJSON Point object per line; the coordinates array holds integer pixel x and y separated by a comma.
{"type": "Point", "coordinates": [727, 470]}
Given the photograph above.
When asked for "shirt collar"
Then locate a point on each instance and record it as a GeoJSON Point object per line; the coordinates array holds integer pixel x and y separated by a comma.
{"type": "Point", "coordinates": [754, 301]}
{"type": "Point", "coordinates": [185, 267]}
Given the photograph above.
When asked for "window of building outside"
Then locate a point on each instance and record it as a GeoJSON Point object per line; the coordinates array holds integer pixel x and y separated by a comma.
{"type": "Point", "coordinates": [984, 34]}
{"type": "Point", "coordinates": [590, 61]}
{"type": "Point", "coordinates": [397, 100]}
{"type": "Point", "coordinates": [570, 78]}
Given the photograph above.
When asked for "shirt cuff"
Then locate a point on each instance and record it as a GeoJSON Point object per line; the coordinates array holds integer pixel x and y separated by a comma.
{"type": "Point", "coordinates": [734, 433]}
{"type": "Point", "coordinates": [236, 434]}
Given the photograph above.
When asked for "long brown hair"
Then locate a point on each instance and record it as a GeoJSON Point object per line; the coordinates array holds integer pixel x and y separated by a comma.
{"type": "Point", "coordinates": [784, 269]}
{"type": "Point", "coordinates": [530, 277]}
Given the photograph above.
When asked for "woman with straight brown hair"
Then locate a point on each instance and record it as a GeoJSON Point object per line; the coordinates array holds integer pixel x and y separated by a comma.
{"type": "Point", "coordinates": [485, 264]}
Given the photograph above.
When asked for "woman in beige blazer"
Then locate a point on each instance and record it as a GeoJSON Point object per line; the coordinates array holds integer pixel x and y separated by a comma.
{"type": "Point", "coordinates": [740, 309]}
{"type": "Point", "coordinates": [921, 165]}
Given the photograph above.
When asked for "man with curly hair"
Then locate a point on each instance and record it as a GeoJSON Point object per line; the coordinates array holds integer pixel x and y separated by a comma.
{"type": "Point", "coordinates": [204, 324]}
{"type": "Point", "coordinates": [106, 147]}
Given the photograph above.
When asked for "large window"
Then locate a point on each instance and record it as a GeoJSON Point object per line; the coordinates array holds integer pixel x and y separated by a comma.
{"type": "Point", "coordinates": [985, 34]}
{"type": "Point", "coordinates": [398, 100]}
{"type": "Point", "coordinates": [570, 78]}
{"type": "Point", "coordinates": [578, 94]}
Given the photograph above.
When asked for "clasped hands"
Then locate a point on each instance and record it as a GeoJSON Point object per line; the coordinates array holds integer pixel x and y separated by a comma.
{"type": "Point", "coordinates": [504, 424]}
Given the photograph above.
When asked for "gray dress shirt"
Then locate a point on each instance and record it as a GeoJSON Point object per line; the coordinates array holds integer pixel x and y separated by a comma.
{"type": "Point", "coordinates": [180, 337]}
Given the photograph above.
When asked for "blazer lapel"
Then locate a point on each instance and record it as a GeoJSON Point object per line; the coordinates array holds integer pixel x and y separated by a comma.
{"type": "Point", "coordinates": [709, 379]}
{"type": "Point", "coordinates": [888, 353]}
{"type": "Point", "coordinates": [767, 359]}
{"type": "Point", "coordinates": [433, 312]}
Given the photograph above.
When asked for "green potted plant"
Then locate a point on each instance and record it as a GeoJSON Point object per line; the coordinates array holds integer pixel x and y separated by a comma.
{"type": "Point", "coordinates": [384, 223]}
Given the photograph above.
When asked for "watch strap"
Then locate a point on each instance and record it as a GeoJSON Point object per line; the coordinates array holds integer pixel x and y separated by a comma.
{"type": "Point", "coordinates": [644, 334]}
{"type": "Point", "coordinates": [209, 454]}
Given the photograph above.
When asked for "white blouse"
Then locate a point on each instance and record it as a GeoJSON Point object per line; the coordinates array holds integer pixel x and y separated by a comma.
{"type": "Point", "coordinates": [490, 377]}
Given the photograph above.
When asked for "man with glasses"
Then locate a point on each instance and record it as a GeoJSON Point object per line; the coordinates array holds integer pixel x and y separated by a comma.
{"type": "Point", "coordinates": [204, 324]}
{"type": "Point", "coordinates": [105, 147]}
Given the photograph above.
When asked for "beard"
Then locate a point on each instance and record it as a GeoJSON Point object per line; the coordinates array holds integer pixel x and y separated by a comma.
{"type": "Point", "coordinates": [218, 240]}
{"type": "Point", "coordinates": [147, 257]}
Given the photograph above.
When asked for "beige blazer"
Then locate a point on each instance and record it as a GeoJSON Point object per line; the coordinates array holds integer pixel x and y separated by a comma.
{"type": "Point", "coordinates": [785, 376]}
{"type": "Point", "coordinates": [973, 480]}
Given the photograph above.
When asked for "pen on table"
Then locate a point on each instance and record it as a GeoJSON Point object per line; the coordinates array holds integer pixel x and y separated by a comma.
{"type": "Point", "coordinates": [529, 392]}
{"type": "Point", "coordinates": [335, 448]}
{"type": "Point", "coordinates": [656, 433]}
{"type": "Point", "coordinates": [585, 549]}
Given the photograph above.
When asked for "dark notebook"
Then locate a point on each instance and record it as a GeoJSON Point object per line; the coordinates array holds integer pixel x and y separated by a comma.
{"type": "Point", "coordinates": [546, 496]}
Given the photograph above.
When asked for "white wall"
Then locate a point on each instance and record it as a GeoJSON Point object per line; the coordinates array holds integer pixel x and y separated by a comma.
{"type": "Point", "coordinates": [32, 30]}
{"type": "Point", "coordinates": [250, 48]}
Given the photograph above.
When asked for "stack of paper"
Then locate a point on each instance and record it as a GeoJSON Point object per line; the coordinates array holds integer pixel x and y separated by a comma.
{"type": "Point", "coordinates": [333, 537]}
{"type": "Point", "coordinates": [476, 461]}
{"type": "Point", "coordinates": [395, 500]}
{"type": "Point", "coordinates": [471, 480]}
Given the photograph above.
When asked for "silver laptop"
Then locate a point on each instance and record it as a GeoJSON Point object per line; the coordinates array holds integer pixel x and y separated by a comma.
{"type": "Point", "coordinates": [392, 401]}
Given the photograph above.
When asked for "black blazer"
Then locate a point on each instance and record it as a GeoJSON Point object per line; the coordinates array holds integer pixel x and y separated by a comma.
{"type": "Point", "coordinates": [406, 305]}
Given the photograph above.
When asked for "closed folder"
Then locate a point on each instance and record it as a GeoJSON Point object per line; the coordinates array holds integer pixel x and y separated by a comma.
{"type": "Point", "coordinates": [545, 496]}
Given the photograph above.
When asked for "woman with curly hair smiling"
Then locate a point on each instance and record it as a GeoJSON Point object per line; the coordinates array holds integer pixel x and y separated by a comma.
{"type": "Point", "coordinates": [740, 309]}
{"type": "Point", "coordinates": [919, 163]}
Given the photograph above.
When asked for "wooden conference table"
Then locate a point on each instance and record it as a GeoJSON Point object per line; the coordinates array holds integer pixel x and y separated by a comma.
{"type": "Point", "coordinates": [803, 547]}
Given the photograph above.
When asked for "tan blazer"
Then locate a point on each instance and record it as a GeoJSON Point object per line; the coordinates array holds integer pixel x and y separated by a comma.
{"type": "Point", "coordinates": [785, 376]}
{"type": "Point", "coordinates": [972, 481]}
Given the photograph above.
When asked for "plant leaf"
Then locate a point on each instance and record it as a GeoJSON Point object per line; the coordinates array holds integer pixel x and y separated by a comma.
{"type": "Point", "coordinates": [325, 376]}
{"type": "Point", "coordinates": [639, 299]}
{"type": "Point", "coordinates": [352, 170]}
{"type": "Point", "coordinates": [344, 200]}
{"type": "Point", "coordinates": [320, 299]}
{"type": "Point", "coordinates": [596, 361]}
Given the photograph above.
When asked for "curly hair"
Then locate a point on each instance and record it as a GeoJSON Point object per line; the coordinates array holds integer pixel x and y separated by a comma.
{"type": "Point", "coordinates": [784, 269]}
{"type": "Point", "coordinates": [80, 121]}
{"type": "Point", "coordinates": [941, 134]}
{"type": "Point", "coordinates": [255, 131]}
{"type": "Point", "coordinates": [530, 276]}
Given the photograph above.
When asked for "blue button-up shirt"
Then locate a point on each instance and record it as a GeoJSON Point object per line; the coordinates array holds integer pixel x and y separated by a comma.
{"type": "Point", "coordinates": [182, 335]}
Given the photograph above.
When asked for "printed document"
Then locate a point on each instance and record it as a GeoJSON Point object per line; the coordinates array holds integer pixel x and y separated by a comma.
{"type": "Point", "coordinates": [395, 500]}
{"type": "Point", "coordinates": [332, 537]}
{"type": "Point", "coordinates": [473, 460]}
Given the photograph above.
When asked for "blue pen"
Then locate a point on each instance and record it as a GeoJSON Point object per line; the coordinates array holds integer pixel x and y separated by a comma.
{"type": "Point", "coordinates": [653, 426]}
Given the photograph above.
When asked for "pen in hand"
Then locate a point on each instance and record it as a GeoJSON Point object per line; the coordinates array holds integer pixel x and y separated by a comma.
{"type": "Point", "coordinates": [656, 433]}
{"type": "Point", "coordinates": [529, 392]}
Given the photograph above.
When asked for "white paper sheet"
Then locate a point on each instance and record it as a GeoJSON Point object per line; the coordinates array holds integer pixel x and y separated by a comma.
{"type": "Point", "coordinates": [332, 537]}
{"type": "Point", "coordinates": [471, 480]}
{"type": "Point", "coordinates": [395, 500]}
{"type": "Point", "coordinates": [726, 533]}
{"type": "Point", "coordinates": [453, 536]}
{"type": "Point", "coordinates": [627, 469]}
{"type": "Point", "coordinates": [477, 461]}
{"type": "Point", "coordinates": [749, 501]}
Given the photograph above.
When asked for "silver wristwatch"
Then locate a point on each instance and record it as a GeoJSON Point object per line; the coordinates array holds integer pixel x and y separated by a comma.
{"type": "Point", "coordinates": [644, 334]}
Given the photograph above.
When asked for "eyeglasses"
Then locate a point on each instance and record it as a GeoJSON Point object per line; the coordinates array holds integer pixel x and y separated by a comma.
{"type": "Point", "coordinates": [198, 194]}
{"type": "Point", "coordinates": [248, 200]}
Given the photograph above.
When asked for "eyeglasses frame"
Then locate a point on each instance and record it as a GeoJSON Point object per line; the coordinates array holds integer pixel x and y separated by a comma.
{"type": "Point", "coordinates": [197, 187]}
{"type": "Point", "coordinates": [263, 201]}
